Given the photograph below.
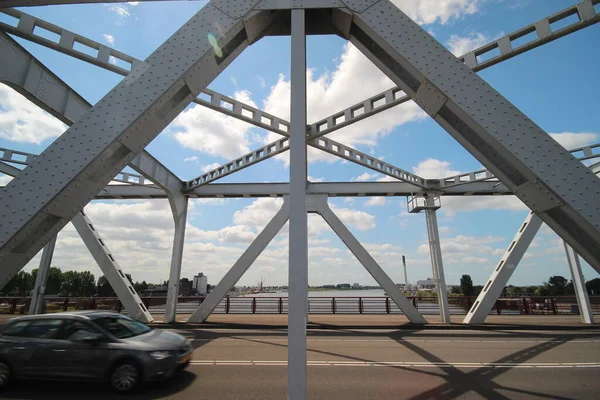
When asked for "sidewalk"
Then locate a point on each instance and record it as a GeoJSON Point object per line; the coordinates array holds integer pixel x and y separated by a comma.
{"type": "Point", "coordinates": [363, 321]}
{"type": "Point", "coordinates": [279, 321]}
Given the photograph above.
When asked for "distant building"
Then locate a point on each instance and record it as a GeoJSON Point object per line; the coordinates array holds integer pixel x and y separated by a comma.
{"type": "Point", "coordinates": [356, 286]}
{"type": "Point", "coordinates": [426, 284]}
{"type": "Point", "coordinates": [200, 284]}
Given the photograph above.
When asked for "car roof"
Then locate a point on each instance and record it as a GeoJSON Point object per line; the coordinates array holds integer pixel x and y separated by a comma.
{"type": "Point", "coordinates": [88, 314]}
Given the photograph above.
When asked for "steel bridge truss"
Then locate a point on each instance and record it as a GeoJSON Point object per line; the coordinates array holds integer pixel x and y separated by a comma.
{"type": "Point", "coordinates": [53, 187]}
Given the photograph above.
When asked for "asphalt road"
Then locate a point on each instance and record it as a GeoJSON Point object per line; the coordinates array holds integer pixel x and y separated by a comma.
{"type": "Point", "coordinates": [349, 364]}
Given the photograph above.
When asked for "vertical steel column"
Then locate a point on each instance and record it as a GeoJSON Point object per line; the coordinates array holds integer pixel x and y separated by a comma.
{"type": "Point", "coordinates": [436, 260]}
{"type": "Point", "coordinates": [585, 309]}
{"type": "Point", "coordinates": [507, 265]}
{"type": "Point", "coordinates": [298, 238]}
{"type": "Point", "coordinates": [179, 207]}
{"type": "Point", "coordinates": [37, 296]}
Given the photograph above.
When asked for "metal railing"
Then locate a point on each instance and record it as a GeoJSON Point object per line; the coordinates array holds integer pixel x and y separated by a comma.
{"type": "Point", "coordinates": [459, 305]}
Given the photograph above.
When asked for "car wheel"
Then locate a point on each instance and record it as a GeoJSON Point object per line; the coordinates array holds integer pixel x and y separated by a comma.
{"type": "Point", "coordinates": [5, 374]}
{"type": "Point", "coordinates": [125, 377]}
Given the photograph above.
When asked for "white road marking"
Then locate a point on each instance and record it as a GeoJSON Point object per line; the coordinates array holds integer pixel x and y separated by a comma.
{"type": "Point", "coordinates": [413, 364]}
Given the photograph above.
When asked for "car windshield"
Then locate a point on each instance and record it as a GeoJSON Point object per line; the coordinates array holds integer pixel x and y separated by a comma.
{"type": "Point", "coordinates": [122, 327]}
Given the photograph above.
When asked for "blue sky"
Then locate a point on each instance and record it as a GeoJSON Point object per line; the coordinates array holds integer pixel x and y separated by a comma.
{"type": "Point", "coordinates": [555, 85]}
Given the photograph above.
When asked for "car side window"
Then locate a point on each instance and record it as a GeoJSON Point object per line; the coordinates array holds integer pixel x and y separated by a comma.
{"type": "Point", "coordinates": [15, 329]}
{"type": "Point", "coordinates": [77, 331]}
{"type": "Point", "coordinates": [43, 328]}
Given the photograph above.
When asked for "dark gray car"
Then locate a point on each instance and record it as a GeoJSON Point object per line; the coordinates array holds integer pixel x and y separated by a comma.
{"type": "Point", "coordinates": [90, 345]}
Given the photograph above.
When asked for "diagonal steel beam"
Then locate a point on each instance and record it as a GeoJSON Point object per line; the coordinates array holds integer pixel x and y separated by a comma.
{"type": "Point", "coordinates": [175, 73]}
{"type": "Point", "coordinates": [27, 26]}
{"type": "Point", "coordinates": [477, 60]}
{"type": "Point", "coordinates": [28, 76]}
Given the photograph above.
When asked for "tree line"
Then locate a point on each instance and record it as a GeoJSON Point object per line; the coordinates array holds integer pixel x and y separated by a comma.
{"type": "Point", "coordinates": [555, 286]}
{"type": "Point", "coordinates": [67, 284]}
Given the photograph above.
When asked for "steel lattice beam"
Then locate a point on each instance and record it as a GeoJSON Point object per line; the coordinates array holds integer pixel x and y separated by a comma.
{"type": "Point", "coordinates": [122, 64]}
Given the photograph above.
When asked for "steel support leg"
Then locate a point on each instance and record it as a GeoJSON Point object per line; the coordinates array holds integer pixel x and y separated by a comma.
{"type": "Point", "coordinates": [367, 261]}
{"type": "Point", "coordinates": [583, 300]}
{"type": "Point", "coordinates": [241, 265]}
{"type": "Point", "coordinates": [499, 278]}
{"type": "Point", "coordinates": [436, 263]}
{"type": "Point", "coordinates": [298, 242]}
{"type": "Point", "coordinates": [179, 207]}
{"type": "Point", "coordinates": [37, 297]}
{"type": "Point", "coordinates": [110, 268]}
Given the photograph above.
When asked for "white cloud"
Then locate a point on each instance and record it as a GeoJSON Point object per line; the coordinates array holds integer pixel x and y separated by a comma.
{"type": "Point", "coordinates": [112, 60]}
{"type": "Point", "coordinates": [259, 213]}
{"type": "Point", "coordinates": [191, 159]}
{"type": "Point", "coordinates": [433, 168]}
{"type": "Point", "coordinates": [133, 3]}
{"type": "Point", "coordinates": [210, 167]}
{"type": "Point", "coordinates": [121, 10]}
{"type": "Point", "coordinates": [24, 122]}
{"type": "Point", "coordinates": [376, 201]}
{"type": "Point", "coordinates": [430, 11]}
{"type": "Point", "coordinates": [261, 81]}
{"type": "Point", "coordinates": [202, 129]}
{"type": "Point", "coordinates": [455, 204]}
{"type": "Point", "coordinates": [571, 140]}
{"type": "Point", "coordinates": [312, 179]}
{"type": "Point", "coordinates": [359, 219]}
{"type": "Point", "coordinates": [365, 177]}
{"type": "Point", "coordinates": [329, 93]}
{"type": "Point", "coordinates": [110, 39]}
{"type": "Point", "coordinates": [464, 244]}
{"type": "Point", "coordinates": [461, 45]}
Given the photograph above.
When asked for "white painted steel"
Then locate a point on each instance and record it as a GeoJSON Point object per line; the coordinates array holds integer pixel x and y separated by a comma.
{"type": "Point", "coordinates": [179, 207]}
{"type": "Point", "coordinates": [435, 251]}
{"type": "Point", "coordinates": [241, 265]}
{"type": "Point", "coordinates": [539, 170]}
{"type": "Point", "coordinates": [363, 256]}
{"type": "Point", "coordinates": [41, 279]}
{"type": "Point", "coordinates": [110, 268]}
{"type": "Point", "coordinates": [298, 238]}
{"type": "Point", "coordinates": [583, 300]}
{"type": "Point", "coordinates": [508, 263]}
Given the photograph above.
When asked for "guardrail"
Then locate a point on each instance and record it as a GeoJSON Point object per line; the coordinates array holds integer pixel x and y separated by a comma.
{"type": "Point", "coordinates": [459, 305]}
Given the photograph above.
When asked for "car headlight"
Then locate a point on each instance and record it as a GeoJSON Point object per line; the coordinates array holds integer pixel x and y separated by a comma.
{"type": "Point", "coordinates": [160, 355]}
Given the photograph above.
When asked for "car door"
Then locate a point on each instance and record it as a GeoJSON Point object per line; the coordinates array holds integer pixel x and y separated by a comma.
{"type": "Point", "coordinates": [39, 343]}
{"type": "Point", "coordinates": [76, 356]}
{"type": "Point", "coordinates": [15, 347]}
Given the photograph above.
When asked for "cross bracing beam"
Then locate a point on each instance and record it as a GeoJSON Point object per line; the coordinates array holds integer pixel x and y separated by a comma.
{"type": "Point", "coordinates": [506, 267]}
{"type": "Point", "coordinates": [140, 107]}
{"type": "Point", "coordinates": [396, 96]}
{"type": "Point", "coordinates": [110, 268]}
{"type": "Point", "coordinates": [324, 144]}
{"type": "Point", "coordinates": [122, 63]}
{"type": "Point", "coordinates": [517, 151]}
